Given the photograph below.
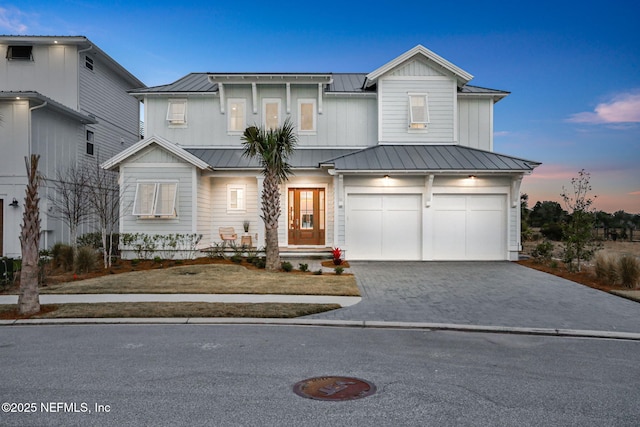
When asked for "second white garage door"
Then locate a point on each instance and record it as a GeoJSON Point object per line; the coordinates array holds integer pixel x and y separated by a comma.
{"type": "Point", "coordinates": [384, 226]}
{"type": "Point", "coordinates": [469, 227]}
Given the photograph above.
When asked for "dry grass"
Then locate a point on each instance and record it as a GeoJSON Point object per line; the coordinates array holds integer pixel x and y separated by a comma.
{"type": "Point", "coordinates": [211, 279]}
{"type": "Point", "coordinates": [178, 309]}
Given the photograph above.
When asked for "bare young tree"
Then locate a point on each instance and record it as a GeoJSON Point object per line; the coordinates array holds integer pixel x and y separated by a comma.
{"type": "Point", "coordinates": [579, 242]}
{"type": "Point", "coordinates": [29, 298]}
{"type": "Point", "coordinates": [71, 199]}
{"type": "Point", "coordinates": [105, 203]}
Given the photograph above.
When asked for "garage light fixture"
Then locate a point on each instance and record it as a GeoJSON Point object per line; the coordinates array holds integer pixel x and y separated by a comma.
{"type": "Point", "coordinates": [472, 177]}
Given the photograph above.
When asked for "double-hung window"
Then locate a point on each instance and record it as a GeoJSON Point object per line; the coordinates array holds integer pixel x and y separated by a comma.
{"type": "Point", "coordinates": [418, 111]}
{"type": "Point", "coordinates": [271, 113]}
{"type": "Point", "coordinates": [155, 199]}
{"type": "Point", "coordinates": [236, 198]}
{"type": "Point", "coordinates": [307, 116]}
{"type": "Point", "coordinates": [236, 116]}
{"type": "Point", "coordinates": [90, 142]}
{"type": "Point", "coordinates": [177, 112]}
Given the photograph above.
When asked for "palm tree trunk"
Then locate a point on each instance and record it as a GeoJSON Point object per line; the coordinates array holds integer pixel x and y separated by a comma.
{"type": "Point", "coordinates": [29, 299]}
{"type": "Point", "coordinates": [270, 215]}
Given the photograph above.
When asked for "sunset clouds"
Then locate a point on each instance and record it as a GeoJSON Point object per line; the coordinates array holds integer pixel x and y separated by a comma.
{"type": "Point", "coordinates": [623, 108]}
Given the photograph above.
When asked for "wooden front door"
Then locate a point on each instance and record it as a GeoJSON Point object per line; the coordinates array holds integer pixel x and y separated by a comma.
{"type": "Point", "coordinates": [306, 217]}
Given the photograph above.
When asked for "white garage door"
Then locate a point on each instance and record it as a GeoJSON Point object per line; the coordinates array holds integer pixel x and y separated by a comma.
{"type": "Point", "coordinates": [384, 226]}
{"type": "Point", "coordinates": [469, 227]}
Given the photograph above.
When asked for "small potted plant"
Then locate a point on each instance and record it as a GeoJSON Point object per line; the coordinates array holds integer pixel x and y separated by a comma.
{"type": "Point", "coordinates": [245, 225]}
{"type": "Point", "coordinates": [337, 256]}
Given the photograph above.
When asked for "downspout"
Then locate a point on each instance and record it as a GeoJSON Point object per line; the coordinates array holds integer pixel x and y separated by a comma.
{"type": "Point", "coordinates": [31, 110]}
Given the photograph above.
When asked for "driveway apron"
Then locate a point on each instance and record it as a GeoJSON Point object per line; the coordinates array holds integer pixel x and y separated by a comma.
{"type": "Point", "coordinates": [482, 293]}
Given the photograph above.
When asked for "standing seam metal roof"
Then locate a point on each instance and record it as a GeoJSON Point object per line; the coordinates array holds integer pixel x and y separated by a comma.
{"type": "Point", "coordinates": [407, 157]}
{"type": "Point", "coordinates": [342, 83]}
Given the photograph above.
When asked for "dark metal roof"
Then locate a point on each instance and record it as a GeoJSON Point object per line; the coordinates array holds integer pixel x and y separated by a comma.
{"type": "Point", "coordinates": [413, 157]}
{"type": "Point", "coordinates": [342, 83]}
{"type": "Point", "coordinates": [232, 158]}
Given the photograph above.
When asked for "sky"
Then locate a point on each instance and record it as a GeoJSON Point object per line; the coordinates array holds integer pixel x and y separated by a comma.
{"type": "Point", "coordinates": [573, 68]}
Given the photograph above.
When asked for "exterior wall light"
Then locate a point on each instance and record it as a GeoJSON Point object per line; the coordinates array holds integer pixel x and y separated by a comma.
{"type": "Point", "coordinates": [14, 203]}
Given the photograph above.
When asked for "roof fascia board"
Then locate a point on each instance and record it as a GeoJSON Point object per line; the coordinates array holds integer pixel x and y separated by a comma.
{"type": "Point", "coordinates": [460, 74]}
{"type": "Point", "coordinates": [478, 172]}
{"type": "Point", "coordinates": [163, 143]}
{"type": "Point", "coordinates": [54, 105]}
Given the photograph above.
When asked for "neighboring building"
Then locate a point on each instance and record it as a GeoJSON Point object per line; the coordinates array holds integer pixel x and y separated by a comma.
{"type": "Point", "coordinates": [397, 164]}
{"type": "Point", "coordinates": [66, 100]}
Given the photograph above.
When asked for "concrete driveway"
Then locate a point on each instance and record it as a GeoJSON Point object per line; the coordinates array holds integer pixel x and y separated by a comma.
{"type": "Point", "coordinates": [483, 293]}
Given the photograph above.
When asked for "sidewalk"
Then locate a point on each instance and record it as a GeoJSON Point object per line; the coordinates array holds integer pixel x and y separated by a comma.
{"type": "Point", "coordinates": [225, 298]}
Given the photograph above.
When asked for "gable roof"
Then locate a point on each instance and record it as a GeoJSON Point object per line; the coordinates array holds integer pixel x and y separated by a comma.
{"type": "Point", "coordinates": [428, 158]}
{"type": "Point", "coordinates": [462, 76]}
{"type": "Point", "coordinates": [177, 151]}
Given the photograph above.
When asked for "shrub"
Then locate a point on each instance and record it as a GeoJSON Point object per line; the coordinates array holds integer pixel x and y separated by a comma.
{"type": "Point", "coordinates": [304, 267]}
{"type": "Point", "coordinates": [318, 272]}
{"type": "Point", "coordinates": [606, 269]}
{"type": "Point", "coordinates": [236, 258]}
{"type": "Point", "coordinates": [287, 266]}
{"type": "Point", "coordinates": [135, 261]}
{"type": "Point", "coordinates": [629, 267]}
{"type": "Point", "coordinates": [62, 256]}
{"type": "Point", "coordinates": [552, 231]}
{"type": "Point", "coordinates": [339, 270]}
{"type": "Point", "coordinates": [86, 259]}
{"type": "Point", "coordinates": [157, 259]}
{"type": "Point", "coordinates": [543, 251]}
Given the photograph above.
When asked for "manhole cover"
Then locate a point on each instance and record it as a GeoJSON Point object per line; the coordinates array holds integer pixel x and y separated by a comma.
{"type": "Point", "coordinates": [334, 388]}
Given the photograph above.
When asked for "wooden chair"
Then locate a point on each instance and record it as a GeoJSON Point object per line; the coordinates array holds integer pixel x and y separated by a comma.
{"type": "Point", "coordinates": [228, 234]}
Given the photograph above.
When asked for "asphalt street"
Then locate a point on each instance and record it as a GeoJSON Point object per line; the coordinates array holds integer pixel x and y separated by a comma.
{"type": "Point", "coordinates": [241, 375]}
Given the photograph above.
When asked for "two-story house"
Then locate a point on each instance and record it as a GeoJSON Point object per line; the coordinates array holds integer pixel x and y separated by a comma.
{"type": "Point", "coordinates": [66, 100]}
{"type": "Point", "coordinates": [396, 164]}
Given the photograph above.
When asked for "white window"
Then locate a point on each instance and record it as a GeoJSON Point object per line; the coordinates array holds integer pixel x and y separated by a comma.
{"type": "Point", "coordinates": [155, 199]}
{"type": "Point", "coordinates": [271, 113]}
{"type": "Point", "coordinates": [236, 120]}
{"type": "Point", "coordinates": [236, 198]}
{"type": "Point", "coordinates": [306, 115]}
{"type": "Point", "coordinates": [418, 111]}
{"type": "Point", "coordinates": [177, 112]}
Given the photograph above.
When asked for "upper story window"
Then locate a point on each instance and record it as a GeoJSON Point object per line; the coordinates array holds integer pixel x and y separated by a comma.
{"type": "Point", "coordinates": [155, 199]}
{"type": "Point", "coordinates": [418, 111]}
{"type": "Point", "coordinates": [307, 115]}
{"type": "Point", "coordinates": [236, 118]}
{"type": "Point", "coordinates": [236, 197]}
{"type": "Point", "coordinates": [271, 113]}
{"type": "Point", "coordinates": [23, 53]}
{"type": "Point", "coordinates": [90, 142]}
{"type": "Point", "coordinates": [177, 112]}
{"type": "Point", "coordinates": [88, 62]}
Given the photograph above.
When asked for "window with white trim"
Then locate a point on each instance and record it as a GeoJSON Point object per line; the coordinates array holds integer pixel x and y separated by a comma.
{"type": "Point", "coordinates": [155, 199]}
{"type": "Point", "coordinates": [236, 115]}
{"type": "Point", "coordinates": [177, 112]}
{"type": "Point", "coordinates": [90, 142]}
{"type": "Point", "coordinates": [307, 115]}
{"type": "Point", "coordinates": [236, 198]}
{"type": "Point", "coordinates": [418, 110]}
{"type": "Point", "coordinates": [271, 113]}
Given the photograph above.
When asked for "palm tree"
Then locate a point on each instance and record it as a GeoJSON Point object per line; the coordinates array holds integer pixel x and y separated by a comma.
{"type": "Point", "coordinates": [29, 299]}
{"type": "Point", "coordinates": [272, 147]}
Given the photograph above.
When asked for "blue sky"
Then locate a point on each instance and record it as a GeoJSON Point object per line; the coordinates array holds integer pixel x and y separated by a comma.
{"type": "Point", "coordinates": [573, 68]}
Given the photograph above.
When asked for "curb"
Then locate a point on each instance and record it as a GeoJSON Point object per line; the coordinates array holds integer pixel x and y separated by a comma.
{"type": "Point", "coordinates": [575, 333]}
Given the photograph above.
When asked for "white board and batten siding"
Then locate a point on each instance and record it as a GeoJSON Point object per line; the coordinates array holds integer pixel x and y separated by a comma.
{"type": "Point", "coordinates": [154, 165]}
{"type": "Point", "coordinates": [475, 118]}
{"type": "Point", "coordinates": [221, 216]}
